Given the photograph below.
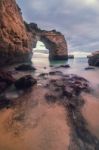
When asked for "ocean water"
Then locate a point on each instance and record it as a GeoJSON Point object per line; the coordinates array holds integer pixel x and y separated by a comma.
{"type": "Point", "coordinates": [77, 66]}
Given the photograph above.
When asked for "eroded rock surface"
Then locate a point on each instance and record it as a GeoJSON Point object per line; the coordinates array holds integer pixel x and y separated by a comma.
{"type": "Point", "coordinates": [15, 40]}
{"type": "Point", "coordinates": [94, 59]}
{"type": "Point", "coordinates": [25, 82]}
{"type": "Point", "coordinates": [56, 43]}
{"type": "Point", "coordinates": [6, 80]}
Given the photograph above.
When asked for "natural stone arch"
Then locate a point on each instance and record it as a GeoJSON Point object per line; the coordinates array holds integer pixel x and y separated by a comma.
{"type": "Point", "coordinates": [55, 43]}
{"type": "Point", "coordinates": [18, 38]}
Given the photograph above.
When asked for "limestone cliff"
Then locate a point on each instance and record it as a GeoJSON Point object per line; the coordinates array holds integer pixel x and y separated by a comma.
{"type": "Point", "coordinates": [15, 41]}
{"type": "Point", "coordinates": [17, 38]}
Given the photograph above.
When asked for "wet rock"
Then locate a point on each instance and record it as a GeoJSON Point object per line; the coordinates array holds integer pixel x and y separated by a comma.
{"type": "Point", "coordinates": [43, 74]}
{"type": "Point", "coordinates": [70, 56]}
{"type": "Point", "coordinates": [55, 73]}
{"type": "Point", "coordinates": [25, 82]}
{"type": "Point", "coordinates": [25, 67]}
{"type": "Point", "coordinates": [5, 103]}
{"type": "Point", "coordinates": [67, 91]}
{"type": "Point", "coordinates": [51, 66]}
{"type": "Point", "coordinates": [64, 66]}
{"type": "Point", "coordinates": [70, 85]}
{"type": "Point", "coordinates": [50, 98]}
{"type": "Point", "coordinates": [93, 60]}
{"type": "Point", "coordinates": [89, 68]}
{"type": "Point", "coordinates": [45, 67]}
{"type": "Point", "coordinates": [6, 80]}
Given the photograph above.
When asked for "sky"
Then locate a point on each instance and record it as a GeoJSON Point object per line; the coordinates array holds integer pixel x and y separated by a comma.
{"type": "Point", "coordinates": [78, 20]}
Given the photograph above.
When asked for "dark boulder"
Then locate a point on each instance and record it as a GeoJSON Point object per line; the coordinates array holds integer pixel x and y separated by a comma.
{"type": "Point", "coordinates": [5, 103]}
{"type": "Point", "coordinates": [70, 56]}
{"type": "Point", "coordinates": [6, 80]}
{"type": "Point", "coordinates": [55, 73]}
{"type": "Point", "coordinates": [64, 66]}
{"type": "Point", "coordinates": [25, 67]}
{"type": "Point", "coordinates": [25, 82]}
{"type": "Point", "coordinates": [89, 68]}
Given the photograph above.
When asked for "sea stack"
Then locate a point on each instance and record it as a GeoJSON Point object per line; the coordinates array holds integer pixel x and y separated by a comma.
{"type": "Point", "coordinates": [94, 59]}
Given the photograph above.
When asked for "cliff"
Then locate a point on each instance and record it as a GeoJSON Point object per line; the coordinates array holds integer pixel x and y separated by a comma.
{"type": "Point", "coordinates": [17, 38]}
{"type": "Point", "coordinates": [15, 41]}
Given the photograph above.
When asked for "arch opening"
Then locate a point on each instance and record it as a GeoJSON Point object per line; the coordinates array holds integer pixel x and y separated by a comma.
{"type": "Point", "coordinates": [40, 54]}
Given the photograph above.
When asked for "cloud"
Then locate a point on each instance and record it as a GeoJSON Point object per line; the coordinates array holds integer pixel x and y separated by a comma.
{"type": "Point", "coordinates": [78, 20]}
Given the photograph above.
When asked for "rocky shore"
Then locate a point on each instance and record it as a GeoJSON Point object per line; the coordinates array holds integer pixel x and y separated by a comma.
{"type": "Point", "coordinates": [63, 90]}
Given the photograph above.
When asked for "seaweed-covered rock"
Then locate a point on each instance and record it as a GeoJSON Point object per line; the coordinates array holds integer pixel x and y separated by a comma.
{"type": "Point", "coordinates": [25, 67]}
{"type": "Point", "coordinates": [25, 82]}
{"type": "Point", "coordinates": [5, 103]}
{"type": "Point", "coordinates": [6, 80]}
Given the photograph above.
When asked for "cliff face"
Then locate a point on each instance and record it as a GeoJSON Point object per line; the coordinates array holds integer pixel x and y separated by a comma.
{"type": "Point", "coordinates": [17, 38]}
{"type": "Point", "coordinates": [15, 41]}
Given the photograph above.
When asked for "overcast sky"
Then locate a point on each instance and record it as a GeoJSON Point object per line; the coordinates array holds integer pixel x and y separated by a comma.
{"type": "Point", "coordinates": [78, 20]}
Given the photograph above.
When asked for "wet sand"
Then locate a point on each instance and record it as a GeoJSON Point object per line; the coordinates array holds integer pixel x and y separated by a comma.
{"type": "Point", "coordinates": [33, 124]}
{"type": "Point", "coordinates": [91, 113]}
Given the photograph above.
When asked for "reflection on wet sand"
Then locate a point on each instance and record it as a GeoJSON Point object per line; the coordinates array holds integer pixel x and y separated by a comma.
{"type": "Point", "coordinates": [34, 125]}
{"type": "Point", "coordinates": [91, 113]}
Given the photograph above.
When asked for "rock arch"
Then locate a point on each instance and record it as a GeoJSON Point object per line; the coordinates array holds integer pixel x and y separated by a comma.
{"type": "Point", "coordinates": [18, 38]}
{"type": "Point", "coordinates": [56, 44]}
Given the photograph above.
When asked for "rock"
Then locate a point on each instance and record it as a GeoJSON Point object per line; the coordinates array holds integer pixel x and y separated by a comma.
{"type": "Point", "coordinates": [93, 60]}
{"type": "Point", "coordinates": [63, 66]}
{"type": "Point", "coordinates": [43, 74]}
{"type": "Point", "coordinates": [70, 85]}
{"type": "Point", "coordinates": [45, 67]}
{"type": "Point", "coordinates": [55, 73]}
{"type": "Point", "coordinates": [55, 42]}
{"type": "Point", "coordinates": [6, 80]}
{"type": "Point", "coordinates": [5, 103]}
{"type": "Point", "coordinates": [51, 66]}
{"type": "Point", "coordinates": [67, 91]}
{"type": "Point", "coordinates": [25, 67]}
{"type": "Point", "coordinates": [25, 82]}
{"type": "Point", "coordinates": [70, 56]}
{"type": "Point", "coordinates": [50, 98]}
{"type": "Point", "coordinates": [89, 68]}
